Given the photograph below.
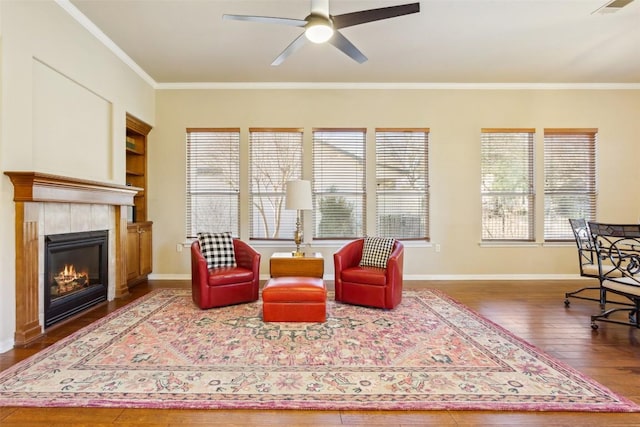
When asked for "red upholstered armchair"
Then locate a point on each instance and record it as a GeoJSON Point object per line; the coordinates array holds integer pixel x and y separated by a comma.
{"type": "Point", "coordinates": [368, 286]}
{"type": "Point", "coordinates": [223, 286]}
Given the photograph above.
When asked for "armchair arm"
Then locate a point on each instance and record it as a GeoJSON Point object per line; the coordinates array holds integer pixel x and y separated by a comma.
{"type": "Point", "coordinates": [395, 262]}
{"type": "Point", "coordinates": [199, 272]}
{"type": "Point", "coordinates": [394, 273]}
{"type": "Point", "coordinates": [246, 256]}
{"type": "Point", "coordinates": [347, 256]}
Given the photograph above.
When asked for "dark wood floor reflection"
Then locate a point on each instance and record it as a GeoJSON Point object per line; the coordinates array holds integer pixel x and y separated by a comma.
{"type": "Point", "coordinates": [533, 310]}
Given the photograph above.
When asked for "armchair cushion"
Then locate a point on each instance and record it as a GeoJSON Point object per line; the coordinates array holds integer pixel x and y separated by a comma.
{"type": "Point", "coordinates": [365, 275]}
{"type": "Point", "coordinates": [229, 276]}
{"type": "Point", "coordinates": [217, 249]}
{"type": "Point", "coordinates": [376, 251]}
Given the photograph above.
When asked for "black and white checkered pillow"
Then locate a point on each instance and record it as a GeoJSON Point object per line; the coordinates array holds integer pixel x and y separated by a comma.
{"type": "Point", "coordinates": [376, 251]}
{"type": "Point", "coordinates": [217, 249]}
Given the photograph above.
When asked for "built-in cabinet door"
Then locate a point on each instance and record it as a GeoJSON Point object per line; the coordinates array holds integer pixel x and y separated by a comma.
{"type": "Point", "coordinates": [139, 240]}
{"type": "Point", "coordinates": [145, 235]}
{"type": "Point", "coordinates": [133, 252]}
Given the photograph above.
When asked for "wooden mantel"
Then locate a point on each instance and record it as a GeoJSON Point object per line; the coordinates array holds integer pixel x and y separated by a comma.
{"type": "Point", "coordinates": [45, 188]}
{"type": "Point", "coordinates": [41, 187]}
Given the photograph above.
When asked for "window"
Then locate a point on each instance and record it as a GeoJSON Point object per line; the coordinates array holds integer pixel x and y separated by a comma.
{"type": "Point", "coordinates": [569, 180]}
{"type": "Point", "coordinates": [275, 157]}
{"type": "Point", "coordinates": [339, 183]}
{"type": "Point", "coordinates": [213, 176]}
{"type": "Point", "coordinates": [402, 186]}
{"type": "Point", "coordinates": [507, 184]}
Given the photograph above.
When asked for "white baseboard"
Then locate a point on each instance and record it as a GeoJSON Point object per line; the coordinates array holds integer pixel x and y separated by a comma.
{"type": "Point", "coordinates": [410, 277]}
{"type": "Point", "coordinates": [6, 345]}
{"type": "Point", "coordinates": [493, 277]}
{"type": "Point", "coordinates": [170, 277]}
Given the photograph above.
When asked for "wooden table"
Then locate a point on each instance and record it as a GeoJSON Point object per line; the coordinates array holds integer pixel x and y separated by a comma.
{"type": "Point", "coordinates": [283, 264]}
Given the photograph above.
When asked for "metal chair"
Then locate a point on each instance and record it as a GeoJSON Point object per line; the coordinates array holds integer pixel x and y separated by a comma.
{"type": "Point", "coordinates": [617, 249]}
{"type": "Point", "coordinates": [586, 260]}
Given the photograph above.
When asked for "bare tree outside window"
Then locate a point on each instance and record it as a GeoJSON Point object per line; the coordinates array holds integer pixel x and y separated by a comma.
{"type": "Point", "coordinates": [275, 158]}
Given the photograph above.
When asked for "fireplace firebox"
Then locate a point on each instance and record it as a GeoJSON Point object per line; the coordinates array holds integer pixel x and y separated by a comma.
{"type": "Point", "coordinates": [75, 273]}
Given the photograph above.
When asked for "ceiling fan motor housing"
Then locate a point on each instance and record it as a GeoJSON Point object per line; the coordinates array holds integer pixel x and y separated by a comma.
{"type": "Point", "coordinates": [319, 28]}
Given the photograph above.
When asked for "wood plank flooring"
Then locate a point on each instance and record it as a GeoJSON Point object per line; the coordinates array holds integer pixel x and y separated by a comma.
{"type": "Point", "coordinates": [533, 310]}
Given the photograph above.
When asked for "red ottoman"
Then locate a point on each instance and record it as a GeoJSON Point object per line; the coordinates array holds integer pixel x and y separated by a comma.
{"type": "Point", "coordinates": [294, 299]}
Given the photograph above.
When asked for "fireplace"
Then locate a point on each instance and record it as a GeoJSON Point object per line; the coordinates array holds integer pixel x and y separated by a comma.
{"type": "Point", "coordinates": [75, 273]}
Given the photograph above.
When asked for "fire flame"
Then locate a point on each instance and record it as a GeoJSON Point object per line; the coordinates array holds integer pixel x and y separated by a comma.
{"type": "Point", "coordinates": [69, 274]}
{"type": "Point", "coordinates": [69, 270]}
{"type": "Point", "coordinates": [69, 280]}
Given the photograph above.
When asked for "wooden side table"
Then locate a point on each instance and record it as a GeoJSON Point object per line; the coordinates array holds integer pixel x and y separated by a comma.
{"type": "Point", "coordinates": [284, 264]}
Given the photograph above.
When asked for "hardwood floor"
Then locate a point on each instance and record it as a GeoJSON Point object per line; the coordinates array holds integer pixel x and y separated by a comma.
{"type": "Point", "coordinates": [533, 310]}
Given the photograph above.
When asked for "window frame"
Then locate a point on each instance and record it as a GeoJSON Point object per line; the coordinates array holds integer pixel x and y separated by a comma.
{"type": "Point", "coordinates": [357, 191]}
{"type": "Point", "coordinates": [392, 160]}
{"type": "Point", "coordinates": [499, 143]}
{"type": "Point", "coordinates": [283, 220]}
{"type": "Point", "coordinates": [231, 191]}
{"type": "Point", "coordinates": [572, 138]}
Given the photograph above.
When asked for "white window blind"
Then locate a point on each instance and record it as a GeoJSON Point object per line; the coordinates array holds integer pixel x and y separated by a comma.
{"type": "Point", "coordinates": [569, 180]}
{"type": "Point", "coordinates": [213, 176]}
{"type": "Point", "coordinates": [275, 158]}
{"type": "Point", "coordinates": [507, 186]}
{"type": "Point", "coordinates": [402, 183]}
{"type": "Point", "coordinates": [339, 183]}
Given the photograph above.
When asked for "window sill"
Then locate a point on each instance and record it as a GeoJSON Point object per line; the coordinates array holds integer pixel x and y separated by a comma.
{"type": "Point", "coordinates": [514, 244]}
{"type": "Point", "coordinates": [507, 244]}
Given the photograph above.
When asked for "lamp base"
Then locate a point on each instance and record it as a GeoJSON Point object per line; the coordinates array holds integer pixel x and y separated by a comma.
{"type": "Point", "coordinates": [297, 238]}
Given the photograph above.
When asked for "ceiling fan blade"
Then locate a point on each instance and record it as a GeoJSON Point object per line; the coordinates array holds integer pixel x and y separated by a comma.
{"type": "Point", "coordinates": [364, 16]}
{"type": "Point", "coordinates": [294, 46]}
{"type": "Point", "coordinates": [267, 20]}
{"type": "Point", "coordinates": [342, 43]}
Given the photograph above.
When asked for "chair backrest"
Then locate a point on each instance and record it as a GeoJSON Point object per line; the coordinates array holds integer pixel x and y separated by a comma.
{"type": "Point", "coordinates": [581, 233]}
{"type": "Point", "coordinates": [618, 248]}
{"type": "Point", "coordinates": [584, 242]}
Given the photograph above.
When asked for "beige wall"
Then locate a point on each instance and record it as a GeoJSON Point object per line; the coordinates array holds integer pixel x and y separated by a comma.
{"type": "Point", "coordinates": [455, 118]}
{"type": "Point", "coordinates": [64, 97]}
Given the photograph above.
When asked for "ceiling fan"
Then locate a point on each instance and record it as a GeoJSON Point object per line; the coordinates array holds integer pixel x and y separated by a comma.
{"type": "Point", "coordinates": [321, 27]}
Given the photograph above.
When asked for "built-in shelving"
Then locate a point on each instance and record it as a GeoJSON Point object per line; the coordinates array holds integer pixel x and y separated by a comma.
{"type": "Point", "coordinates": [139, 229]}
{"type": "Point", "coordinates": [136, 169]}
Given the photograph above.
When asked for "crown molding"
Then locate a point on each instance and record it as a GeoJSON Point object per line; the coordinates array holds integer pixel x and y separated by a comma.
{"type": "Point", "coordinates": [394, 86]}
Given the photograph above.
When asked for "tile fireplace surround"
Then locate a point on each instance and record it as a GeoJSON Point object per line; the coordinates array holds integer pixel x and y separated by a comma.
{"type": "Point", "coordinates": [50, 204]}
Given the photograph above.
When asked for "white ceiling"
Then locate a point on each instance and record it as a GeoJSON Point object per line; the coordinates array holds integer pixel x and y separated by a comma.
{"type": "Point", "coordinates": [449, 41]}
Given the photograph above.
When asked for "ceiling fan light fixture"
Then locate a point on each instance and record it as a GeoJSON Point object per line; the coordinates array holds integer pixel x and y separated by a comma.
{"type": "Point", "coordinates": [320, 26]}
{"type": "Point", "coordinates": [318, 29]}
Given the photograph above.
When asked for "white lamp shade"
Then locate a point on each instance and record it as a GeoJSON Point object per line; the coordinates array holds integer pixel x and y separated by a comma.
{"type": "Point", "coordinates": [299, 195]}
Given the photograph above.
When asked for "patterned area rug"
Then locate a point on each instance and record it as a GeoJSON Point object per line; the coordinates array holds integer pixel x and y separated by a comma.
{"type": "Point", "coordinates": [429, 353]}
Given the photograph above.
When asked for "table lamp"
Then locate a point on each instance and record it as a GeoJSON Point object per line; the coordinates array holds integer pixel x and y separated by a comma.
{"type": "Point", "coordinates": [298, 198]}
